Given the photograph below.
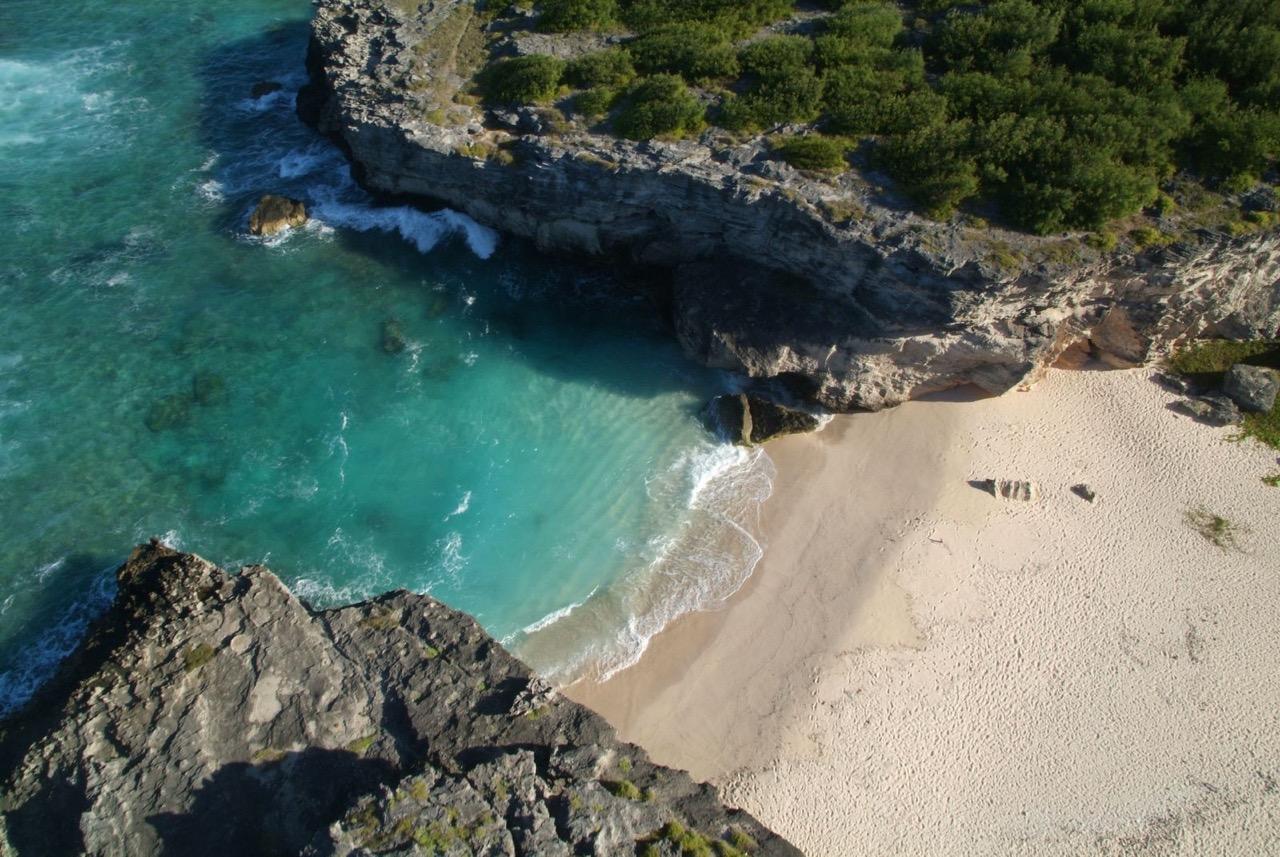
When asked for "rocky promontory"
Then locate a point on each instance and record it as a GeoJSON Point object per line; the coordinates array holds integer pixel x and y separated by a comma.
{"type": "Point", "coordinates": [214, 713]}
{"type": "Point", "coordinates": [830, 284]}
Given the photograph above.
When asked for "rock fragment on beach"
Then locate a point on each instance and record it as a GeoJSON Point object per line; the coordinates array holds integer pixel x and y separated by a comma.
{"type": "Point", "coordinates": [276, 213]}
{"type": "Point", "coordinates": [1212, 409]}
{"type": "Point", "coordinates": [1009, 489]}
{"type": "Point", "coordinates": [1253, 388]}
{"type": "Point", "coordinates": [752, 420]}
{"type": "Point", "coordinates": [1017, 489]}
{"type": "Point", "coordinates": [1175, 383]}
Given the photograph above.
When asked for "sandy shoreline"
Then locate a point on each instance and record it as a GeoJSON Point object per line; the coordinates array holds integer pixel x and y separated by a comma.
{"type": "Point", "coordinates": [917, 667]}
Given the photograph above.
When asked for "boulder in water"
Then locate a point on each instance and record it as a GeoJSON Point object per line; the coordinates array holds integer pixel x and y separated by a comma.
{"type": "Point", "coordinates": [1253, 388]}
{"type": "Point", "coordinates": [275, 213]}
{"type": "Point", "coordinates": [265, 87]}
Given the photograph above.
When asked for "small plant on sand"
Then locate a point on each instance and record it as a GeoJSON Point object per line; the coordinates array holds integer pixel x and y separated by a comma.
{"type": "Point", "coordinates": [1215, 528]}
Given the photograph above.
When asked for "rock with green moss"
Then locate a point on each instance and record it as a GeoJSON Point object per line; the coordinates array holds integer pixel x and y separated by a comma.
{"type": "Point", "coordinates": [210, 713]}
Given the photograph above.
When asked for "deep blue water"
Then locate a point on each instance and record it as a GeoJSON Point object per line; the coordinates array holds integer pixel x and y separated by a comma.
{"type": "Point", "coordinates": [536, 445]}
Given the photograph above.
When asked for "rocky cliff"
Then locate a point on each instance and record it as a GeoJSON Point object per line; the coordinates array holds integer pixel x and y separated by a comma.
{"type": "Point", "coordinates": [213, 713]}
{"type": "Point", "coordinates": [829, 283]}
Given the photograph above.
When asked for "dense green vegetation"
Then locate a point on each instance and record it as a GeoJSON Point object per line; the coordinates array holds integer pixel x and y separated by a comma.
{"type": "Point", "coordinates": [1064, 114]}
{"type": "Point", "coordinates": [1207, 362]}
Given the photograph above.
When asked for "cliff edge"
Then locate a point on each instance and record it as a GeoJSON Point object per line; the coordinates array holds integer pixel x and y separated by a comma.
{"type": "Point", "coordinates": [829, 284]}
{"type": "Point", "coordinates": [214, 713]}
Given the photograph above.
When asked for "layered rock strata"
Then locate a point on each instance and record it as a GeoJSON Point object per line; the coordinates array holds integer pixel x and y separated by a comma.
{"type": "Point", "coordinates": [830, 283]}
{"type": "Point", "coordinates": [214, 713]}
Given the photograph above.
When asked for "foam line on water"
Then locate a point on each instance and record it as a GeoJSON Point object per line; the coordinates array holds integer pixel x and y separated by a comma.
{"type": "Point", "coordinates": [36, 661]}
{"type": "Point", "coordinates": [424, 230]}
{"type": "Point", "coordinates": [697, 565]}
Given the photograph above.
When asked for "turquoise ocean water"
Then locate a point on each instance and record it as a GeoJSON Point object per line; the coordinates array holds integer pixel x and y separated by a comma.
{"type": "Point", "coordinates": [533, 455]}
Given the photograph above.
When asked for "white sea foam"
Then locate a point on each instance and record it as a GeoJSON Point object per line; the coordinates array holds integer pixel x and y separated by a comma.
{"type": "Point", "coordinates": [556, 615]}
{"type": "Point", "coordinates": [306, 161]}
{"type": "Point", "coordinates": [463, 505]}
{"type": "Point", "coordinates": [211, 190]}
{"type": "Point", "coordinates": [36, 661]}
{"type": "Point", "coordinates": [172, 539]}
{"type": "Point", "coordinates": [322, 594]}
{"type": "Point", "coordinates": [697, 565]}
{"type": "Point", "coordinates": [452, 561]}
{"type": "Point", "coordinates": [424, 230]}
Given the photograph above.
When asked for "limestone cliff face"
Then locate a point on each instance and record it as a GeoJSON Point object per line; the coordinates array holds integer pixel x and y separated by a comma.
{"type": "Point", "coordinates": [831, 284]}
{"type": "Point", "coordinates": [214, 714]}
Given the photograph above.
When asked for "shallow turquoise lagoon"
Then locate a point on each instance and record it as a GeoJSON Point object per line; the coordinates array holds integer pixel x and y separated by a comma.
{"type": "Point", "coordinates": [533, 454]}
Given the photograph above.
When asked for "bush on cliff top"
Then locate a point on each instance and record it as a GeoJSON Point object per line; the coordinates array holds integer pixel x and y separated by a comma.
{"type": "Point", "coordinates": [1065, 114]}
{"type": "Point", "coordinates": [659, 106]}
{"type": "Point", "coordinates": [522, 80]}
{"type": "Point", "coordinates": [812, 153]}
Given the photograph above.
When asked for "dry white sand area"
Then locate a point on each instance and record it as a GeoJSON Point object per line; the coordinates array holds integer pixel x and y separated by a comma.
{"type": "Point", "coordinates": [919, 668]}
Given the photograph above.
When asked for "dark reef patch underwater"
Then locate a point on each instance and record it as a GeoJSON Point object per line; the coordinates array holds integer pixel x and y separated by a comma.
{"type": "Point", "coordinates": [528, 449]}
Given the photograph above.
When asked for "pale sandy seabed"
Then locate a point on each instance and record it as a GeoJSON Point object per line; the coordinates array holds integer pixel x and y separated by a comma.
{"type": "Point", "coordinates": [917, 667]}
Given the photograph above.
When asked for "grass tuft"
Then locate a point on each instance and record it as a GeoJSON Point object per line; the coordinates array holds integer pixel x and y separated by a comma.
{"type": "Point", "coordinates": [1215, 528]}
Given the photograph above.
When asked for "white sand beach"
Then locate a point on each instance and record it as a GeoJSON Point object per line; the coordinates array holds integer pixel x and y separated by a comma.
{"type": "Point", "coordinates": [917, 667]}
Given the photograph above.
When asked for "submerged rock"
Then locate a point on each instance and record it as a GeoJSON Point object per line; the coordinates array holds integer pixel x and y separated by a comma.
{"type": "Point", "coordinates": [276, 213]}
{"type": "Point", "coordinates": [265, 87]}
{"type": "Point", "coordinates": [169, 412]}
{"type": "Point", "coordinates": [751, 420]}
{"type": "Point", "coordinates": [393, 341]}
{"type": "Point", "coordinates": [209, 388]}
{"type": "Point", "coordinates": [1253, 388]}
{"type": "Point", "coordinates": [209, 713]}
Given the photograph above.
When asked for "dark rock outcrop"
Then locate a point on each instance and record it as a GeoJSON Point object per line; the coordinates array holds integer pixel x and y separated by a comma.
{"type": "Point", "coordinates": [276, 213]}
{"type": "Point", "coordinates": [1212, 409]}
{"type": "Point", "coordinates": [751, 420]}
{"type": "Point", "coordinates": [209, 713]}
{"type": "Point", "coordinates": [1253, 388]}
{"type": "Point", "coordinates": [779, 273]}
{"type": "Point", "coordinates": [264, 88]}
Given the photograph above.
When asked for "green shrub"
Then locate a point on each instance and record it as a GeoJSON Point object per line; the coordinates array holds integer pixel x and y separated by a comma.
{"type": "Point", "coordinates": [933, 165]}
{"type": "Point", "coordinates": [776, 56]}
{"type": "Point", "coordinates": [874, 24]}
{"type": "Point", "coordinates": [812, 153]}
{"type": "Point", "coordinates": [1063, 114]}
{"type": "Point", "coordinates": [522, 80]}
{"type": "Point", "coordinates": [783, 85]}
{"type": "Point", "coordinates": [564, 16]}
{"type": "Point", "coordinates": [696, 52]}
{"type": "Point", "coordinates": [660, 105]}
{"type": "Point", "coordinates": [602, 68]}
{"type": "Point", "coordinates": [734, 18]}
{"type": "Point", "coordinates": [595, 101]}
